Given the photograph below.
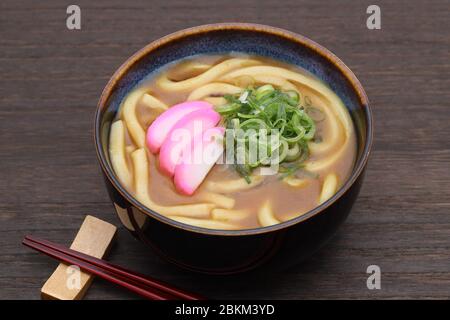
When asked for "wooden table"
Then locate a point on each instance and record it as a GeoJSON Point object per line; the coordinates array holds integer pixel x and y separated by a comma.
{"type": "Point", "coordinates": [50, 81]}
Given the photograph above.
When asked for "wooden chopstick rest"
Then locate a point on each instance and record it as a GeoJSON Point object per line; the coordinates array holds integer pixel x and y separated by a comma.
{"type": "Point", "coordinates": [68, 283]}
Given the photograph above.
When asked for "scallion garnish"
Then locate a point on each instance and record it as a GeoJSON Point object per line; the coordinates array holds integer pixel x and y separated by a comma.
{"type": "Point", "coordinates": [266, 110]}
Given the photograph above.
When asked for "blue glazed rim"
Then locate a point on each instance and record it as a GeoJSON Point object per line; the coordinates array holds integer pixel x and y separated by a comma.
{"type": "Point", "coordinates": [172, 47]}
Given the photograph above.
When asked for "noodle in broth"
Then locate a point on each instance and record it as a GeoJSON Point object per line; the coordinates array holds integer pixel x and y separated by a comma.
{"type": "Point", "coordinates": [225, 200]}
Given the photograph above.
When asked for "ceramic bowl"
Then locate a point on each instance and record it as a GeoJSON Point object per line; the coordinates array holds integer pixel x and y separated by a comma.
{"type": "Point", "coordinates": [218, 251]}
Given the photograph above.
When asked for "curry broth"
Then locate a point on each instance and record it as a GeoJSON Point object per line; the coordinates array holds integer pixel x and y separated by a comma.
{"type": "Point", "coordinates": [287, 202]}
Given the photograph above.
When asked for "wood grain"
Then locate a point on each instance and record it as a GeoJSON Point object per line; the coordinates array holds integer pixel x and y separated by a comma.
{"type": "Point", "coordinates": [95, 239]}
{"type": "Point", "coordinates": [51, 79]}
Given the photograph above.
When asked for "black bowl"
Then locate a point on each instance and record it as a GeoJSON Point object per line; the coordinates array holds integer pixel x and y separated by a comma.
{"type": "Point", "coordinates": [218, 251]}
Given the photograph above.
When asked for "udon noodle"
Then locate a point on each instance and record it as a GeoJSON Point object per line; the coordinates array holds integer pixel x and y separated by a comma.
{"type": "Point", "coordinates": [225, 200]}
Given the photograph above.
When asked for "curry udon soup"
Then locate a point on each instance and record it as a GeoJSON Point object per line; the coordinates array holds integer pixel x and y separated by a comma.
{"type": "Point", "coordinates": [233, 105]}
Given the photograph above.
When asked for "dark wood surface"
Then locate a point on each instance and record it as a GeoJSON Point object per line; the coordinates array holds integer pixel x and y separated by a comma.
{"type": "Point", "coordinates": [51, 79]}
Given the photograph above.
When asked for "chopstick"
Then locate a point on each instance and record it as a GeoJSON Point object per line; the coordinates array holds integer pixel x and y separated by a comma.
{"type": "Point", "coordinates": [144, 286]}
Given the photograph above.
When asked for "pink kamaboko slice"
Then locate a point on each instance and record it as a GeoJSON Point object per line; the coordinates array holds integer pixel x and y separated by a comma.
{"type": "Point", "coordinates": [160, 128]}
{"type": "Point", "coordinates": [195, 165]}
{"type": "Point", "coordinates": [182, 135]}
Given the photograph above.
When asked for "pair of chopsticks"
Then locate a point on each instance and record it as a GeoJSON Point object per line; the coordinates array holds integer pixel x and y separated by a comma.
{"type": "Point", "coordinates": [142, 285]}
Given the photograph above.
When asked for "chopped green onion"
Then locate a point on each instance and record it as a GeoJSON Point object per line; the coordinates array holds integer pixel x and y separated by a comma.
{"type": "Point", "coordinates": [264, 90]}
{"type": "Point", "coordinates": [255, 113]}
{"type": "Point", "coordinates": [294, 97]}
{"type": "Point", "coordinates": [293, 153]}
{"type": "Point", "coordinates": [244, 171]}
{"type": "Point", "coordinates": [227, 108]}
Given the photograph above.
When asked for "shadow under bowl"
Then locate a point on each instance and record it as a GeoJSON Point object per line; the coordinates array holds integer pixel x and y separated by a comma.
{"type": "Point", "coordinates": [219, 251]}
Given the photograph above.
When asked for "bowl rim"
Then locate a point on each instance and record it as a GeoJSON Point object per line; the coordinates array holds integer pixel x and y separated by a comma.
{"type": "Point", "coordinates": [201, 29]}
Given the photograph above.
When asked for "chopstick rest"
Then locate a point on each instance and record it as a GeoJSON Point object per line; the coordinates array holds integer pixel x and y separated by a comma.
{"type": "Point", "coordinates": [67, 283]}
